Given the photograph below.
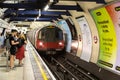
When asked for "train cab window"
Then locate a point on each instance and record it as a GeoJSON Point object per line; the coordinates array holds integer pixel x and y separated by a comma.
{"type": "Point", "coordinates": [59, 35]}
{"type": "Point", "coordinates": [50, 34]}
{"type": "Point", "coordinates": [39, 36]}
{"type": "Point", "coordinates": [42, 35]}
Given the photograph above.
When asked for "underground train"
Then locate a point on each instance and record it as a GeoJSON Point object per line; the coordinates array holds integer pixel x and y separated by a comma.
{"type": "Point", "coordinates": [48, 39]}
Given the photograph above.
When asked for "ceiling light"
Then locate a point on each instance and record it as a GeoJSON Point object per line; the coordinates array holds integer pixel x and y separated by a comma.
{"type": "Point", "coordinates": [37, 17]}
{"type": "Point", "coordinates": [34, 19]}
{"type": "Point", "coordinates": [46, 8]}
{"type": "Point", "coordinates": [21, 9]}
{"type": "Point", "coordinates": [39, 13]}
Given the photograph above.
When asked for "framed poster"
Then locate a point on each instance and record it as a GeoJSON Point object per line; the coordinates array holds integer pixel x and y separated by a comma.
{"type": "Point", "coordinates": [86, 39]}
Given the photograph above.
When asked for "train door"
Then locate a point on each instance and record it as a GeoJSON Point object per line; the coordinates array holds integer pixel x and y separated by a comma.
{"type": "Point", "coordinates": [50, 37]}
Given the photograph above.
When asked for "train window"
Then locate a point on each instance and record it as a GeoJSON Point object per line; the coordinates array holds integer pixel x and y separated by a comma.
{"type": "Point", "coordinates": [59, 35]}
{"type": "Point", "coordinates": [42, 35]}
{"type": "Point", "coordinates": [50, 34]}
{"type": "Point", "coordinates": [39, 35]}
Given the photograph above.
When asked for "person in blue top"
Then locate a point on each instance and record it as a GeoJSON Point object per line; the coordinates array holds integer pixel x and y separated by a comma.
{"type": "Point", "coordinates": [2, 38]}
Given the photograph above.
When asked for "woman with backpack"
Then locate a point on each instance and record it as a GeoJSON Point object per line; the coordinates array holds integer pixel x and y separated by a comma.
{"type": "Point", "coordinates": [20, 52]}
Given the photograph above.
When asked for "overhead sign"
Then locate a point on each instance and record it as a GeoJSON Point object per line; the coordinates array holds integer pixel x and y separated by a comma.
{"type": "Point", "coordinates": [21, 25]}
{"type": "Point", "coordinates": [86, 39]}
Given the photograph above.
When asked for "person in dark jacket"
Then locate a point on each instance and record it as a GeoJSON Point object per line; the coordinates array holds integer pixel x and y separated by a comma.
{"type": "Point", "coordinates": [13, 48]}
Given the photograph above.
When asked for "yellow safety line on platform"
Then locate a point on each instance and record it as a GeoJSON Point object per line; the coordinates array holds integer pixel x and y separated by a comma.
{"type": "Point", "coordinates": [40, 67]}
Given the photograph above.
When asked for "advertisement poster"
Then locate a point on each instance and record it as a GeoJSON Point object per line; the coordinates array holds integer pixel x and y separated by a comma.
{"type": "Point", "coordinates": [64, 25]}
{"type": "Point", "coordinates": [107, 35]}
{"type": "Point", "coordinates": [86, 39]}
{"type": "Point", "coordinates": [107, 20]}
{"type": "Point", "coordinates": [114, 12]}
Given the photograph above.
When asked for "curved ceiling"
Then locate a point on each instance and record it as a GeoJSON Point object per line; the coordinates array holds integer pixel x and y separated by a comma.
{"type": "Point", "coordinates": [33, 10]}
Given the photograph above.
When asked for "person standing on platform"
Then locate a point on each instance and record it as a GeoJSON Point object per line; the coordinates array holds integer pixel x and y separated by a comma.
{"type": "Point", "coordinates": [13, 48]}
{"type": "Point", "coordinates": [21, 49]}
{"type": "Point", "coordinates": [2, 38]}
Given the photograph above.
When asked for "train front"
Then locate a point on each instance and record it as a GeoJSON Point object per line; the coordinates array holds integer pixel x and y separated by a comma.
{"type": "Point", "coordinates": [50, 39]}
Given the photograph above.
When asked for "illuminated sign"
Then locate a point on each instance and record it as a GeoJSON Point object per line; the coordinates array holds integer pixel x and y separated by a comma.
{"type": "Point", "coordinates": [50, 27]}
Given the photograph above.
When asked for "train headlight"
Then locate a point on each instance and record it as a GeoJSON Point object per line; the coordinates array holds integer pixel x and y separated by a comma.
{"type": "Point", "coordinates": [40, 43]}
{"type": "Point", "coordinates": [60, 43]}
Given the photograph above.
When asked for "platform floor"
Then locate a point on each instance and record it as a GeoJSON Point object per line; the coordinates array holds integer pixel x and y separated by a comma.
{"type": "Point", "coordinates": [32, 69]}
{"type": "Point", "coordinates": [20, 73]}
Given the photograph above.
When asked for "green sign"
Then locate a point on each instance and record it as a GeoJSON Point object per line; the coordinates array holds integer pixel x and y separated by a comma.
{"type": "Point", "coordinates": [107, 35]}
